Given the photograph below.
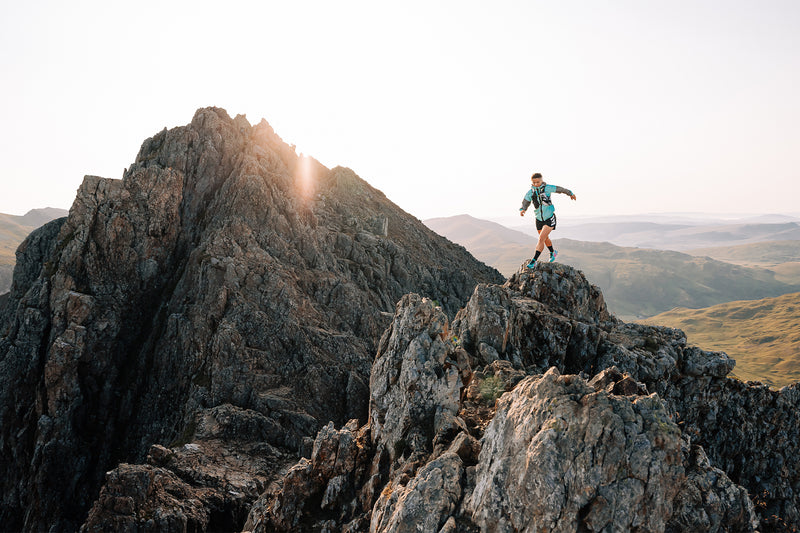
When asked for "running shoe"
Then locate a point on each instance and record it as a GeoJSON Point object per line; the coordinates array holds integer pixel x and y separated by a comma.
{"type": "Point", "coordinates": [532, 264]}
{"type": "Point", "coordinates": [553, 255]}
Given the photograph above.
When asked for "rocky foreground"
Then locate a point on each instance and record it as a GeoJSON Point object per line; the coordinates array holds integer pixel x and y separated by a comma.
{"type": "Point", "coordinates": [533, 410]}
{"type": "Point", "coordinates": [234, 338]}
{"type": "Point", "coordinates": [501, 421]}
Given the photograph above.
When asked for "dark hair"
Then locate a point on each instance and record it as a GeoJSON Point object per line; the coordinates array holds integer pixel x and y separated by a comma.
{"type": "Point", "coordinates": [536, 175]}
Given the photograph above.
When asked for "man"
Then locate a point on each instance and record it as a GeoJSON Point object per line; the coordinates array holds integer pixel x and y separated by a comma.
{"type": "Point", "coordinates": [539, 195]}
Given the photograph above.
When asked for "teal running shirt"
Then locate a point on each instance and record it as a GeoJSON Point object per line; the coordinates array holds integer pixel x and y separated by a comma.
{"type": "Point", "coordinates": [540, 197]}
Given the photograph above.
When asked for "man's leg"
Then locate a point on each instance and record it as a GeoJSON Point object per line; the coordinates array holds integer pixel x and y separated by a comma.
{"type": "Point", "coordinates": [544, 238]}
{"type": "Point", "coordinates": [543, 233]}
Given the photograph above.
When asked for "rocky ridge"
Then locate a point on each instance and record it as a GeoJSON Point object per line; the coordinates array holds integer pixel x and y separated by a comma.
{"type": "Point", "coordinates": [501, 421]}
{"type": "Point", "coordinates": [227, 295]}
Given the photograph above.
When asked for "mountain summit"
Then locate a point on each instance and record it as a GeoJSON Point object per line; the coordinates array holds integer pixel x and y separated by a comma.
{"type": "Point", "coordinates": [225, 288]}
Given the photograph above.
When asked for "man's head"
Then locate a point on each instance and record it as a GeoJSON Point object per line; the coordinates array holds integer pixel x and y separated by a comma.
{"type": "Point", "coordinates": [536, 180]}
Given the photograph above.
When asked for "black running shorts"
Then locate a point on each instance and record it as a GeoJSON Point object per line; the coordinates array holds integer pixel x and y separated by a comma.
{"type": "Point", "coordinates": [549, 222]}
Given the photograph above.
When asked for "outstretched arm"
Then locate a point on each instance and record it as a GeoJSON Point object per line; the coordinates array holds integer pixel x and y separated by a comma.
{"type": "Point", "coordinates": [568, 192]}
{"type": "Point", "coordinates": [526, 201]}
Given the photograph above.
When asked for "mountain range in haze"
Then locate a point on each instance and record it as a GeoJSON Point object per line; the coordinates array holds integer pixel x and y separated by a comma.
{"type": "Point", "coordinates": [680, 234]}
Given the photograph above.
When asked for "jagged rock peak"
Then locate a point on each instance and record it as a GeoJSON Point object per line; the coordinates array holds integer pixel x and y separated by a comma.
{"type": "Point", "coordinates": [222, 270]}
{"type": "Point", "coordinates": [564, 289]}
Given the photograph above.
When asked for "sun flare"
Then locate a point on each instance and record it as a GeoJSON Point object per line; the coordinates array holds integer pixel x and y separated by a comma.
{"type": "Point", "coordinates": [305, 180]}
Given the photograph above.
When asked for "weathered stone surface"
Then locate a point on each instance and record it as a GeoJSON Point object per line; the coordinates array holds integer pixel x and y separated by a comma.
{"type": "Point", "coordinates": [415, 383]}
{"type": "Point", "coordinates": [404, 470]}
{"type": "Point", "coordinates": [709, 500]}
{"type": "Point", "coordinates": [562, 289]}
{"type": "Point", "coordinates": [14, 230]}
{"type": "Point", "coordinates": [556, 328]}
{"type": "Point", "coordinates": [561, 456]}
{"type": "Point", "coordinates": [316, 489]}
{"type": "Point", "coordinates": [146, 498]}
{"type": "Point", "coordinates": [21, 370]}
{"type": "Point", "coordinates": [747, 430]}
{"type": "Point", "coordinates": [750, 432]}
{"type": "Point", "coordinates": [486, 385]}
{"type": "Point", "coordinates": [33, 255]}
{"type": "Point", "coordinates": [222, 269]}
{"type": "Point", "coordinates": [615, 382]}
{"type": "Point", "coordinates": [426, 503]}
{"type": "Point", "coordinates": [208, 484]}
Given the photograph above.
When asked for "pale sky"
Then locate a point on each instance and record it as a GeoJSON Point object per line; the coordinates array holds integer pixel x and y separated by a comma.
{"type": "Point", "coordinates": [447, 107]}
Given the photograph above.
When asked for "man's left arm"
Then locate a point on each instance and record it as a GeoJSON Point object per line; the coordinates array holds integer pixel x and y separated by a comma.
{"type": "Point", "coordinates": [562, 190]}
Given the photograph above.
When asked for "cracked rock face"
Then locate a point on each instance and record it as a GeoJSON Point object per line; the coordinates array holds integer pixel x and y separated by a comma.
{"type": "Point", "coordinates": [222, 269]}
{"type": "Point", "coordinates": [559, 455]}
{"type": "Point", "coordinates": [426, 502]}
{"type": "Point", "coordinates": [206, 485]}
{"type": "Point", "coordinates": [415, 382]}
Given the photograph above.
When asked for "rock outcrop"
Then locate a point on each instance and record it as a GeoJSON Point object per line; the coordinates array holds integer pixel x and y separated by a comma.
{"type": "Point", "coordinates": [222, 271]}
{"type": "Point", "coordinates": [575, 457]}
{"type": "Point", "coordinates": [539, 439]}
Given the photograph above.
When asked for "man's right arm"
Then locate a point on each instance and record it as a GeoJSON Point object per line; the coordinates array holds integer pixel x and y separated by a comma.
{"type": "Point", "coordinates": [526, 201]}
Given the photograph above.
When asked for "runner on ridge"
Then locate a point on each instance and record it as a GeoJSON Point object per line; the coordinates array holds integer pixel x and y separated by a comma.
{"type": "Point", "coordinates": [539, 195]}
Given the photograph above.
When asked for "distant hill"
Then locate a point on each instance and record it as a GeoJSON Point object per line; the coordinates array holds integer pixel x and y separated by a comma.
{"type": "Point", "coordinates": [787, 272]}
{"type": "Point", "coordinates": [13, 230]}
{"type": "Point", "coordinates": [782, 257]}
{"type": "Point", "coordinates": [636, 282]}
{"type": "Point", "coordinates": [680, 236]}
{"type": "Point", "coordinates": [642, 282]}
{"type": "Point", "coordinates": [494, 244]}
{"type": "Point", "coordinates": [762, 335]}
{"type": "Point", "coordinates": [477, 231]}
{"type": "Point", "coordinates": [769, 253]}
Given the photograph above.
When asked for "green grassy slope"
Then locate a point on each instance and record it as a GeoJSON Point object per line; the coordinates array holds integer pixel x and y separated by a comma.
{"type": "Point", "coordinates": [763, 336]}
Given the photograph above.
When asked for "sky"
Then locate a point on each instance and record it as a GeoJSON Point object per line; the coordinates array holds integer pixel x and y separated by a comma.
{"type": "Point", "coordinates": [447, 107]}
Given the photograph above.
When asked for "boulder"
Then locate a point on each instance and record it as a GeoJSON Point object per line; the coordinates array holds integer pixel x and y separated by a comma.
{"type": "Point", "coordinates": [562, 456]}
